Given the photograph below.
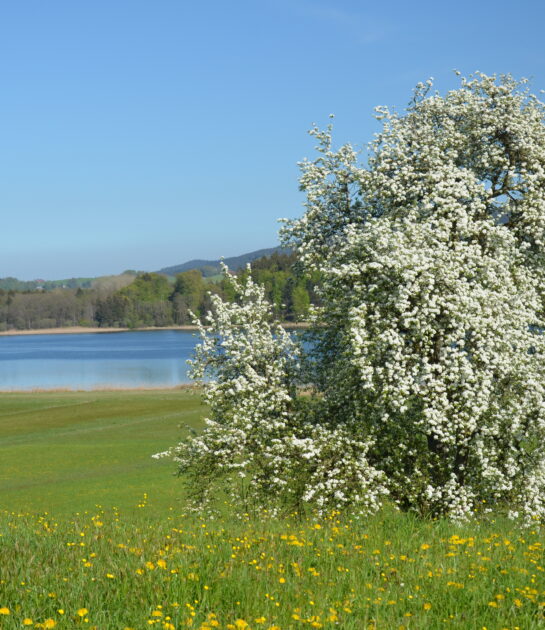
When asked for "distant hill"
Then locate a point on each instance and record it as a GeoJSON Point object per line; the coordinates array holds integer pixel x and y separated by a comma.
{"type": "Point", "coordinates": [12, 284]}
{"type": "Point", "coordinates": [208, 268]}
{"type": "Point", "coordinates": [102, 282]}
{"type": "Point", "coordinates": [212, 267]}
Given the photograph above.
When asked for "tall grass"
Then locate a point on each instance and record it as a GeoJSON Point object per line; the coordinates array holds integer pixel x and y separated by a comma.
{"type": "Point", "coordinates": [156, 568]}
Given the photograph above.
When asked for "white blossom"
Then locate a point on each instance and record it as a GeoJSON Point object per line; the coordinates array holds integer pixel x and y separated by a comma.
{"type": "Point", "coordinates": [433, 297]}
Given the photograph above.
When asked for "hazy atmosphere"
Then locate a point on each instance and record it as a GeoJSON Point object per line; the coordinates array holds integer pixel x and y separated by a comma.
{"type": "Point", "coordinates": [141, 135]}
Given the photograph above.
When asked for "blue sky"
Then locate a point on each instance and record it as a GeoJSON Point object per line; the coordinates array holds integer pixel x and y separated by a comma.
{"type": "Point", "coordinates": [138, 134]}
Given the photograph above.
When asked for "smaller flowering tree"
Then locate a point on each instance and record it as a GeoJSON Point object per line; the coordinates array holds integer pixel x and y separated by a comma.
{"type": "Point", "coordinates": [260, 448]}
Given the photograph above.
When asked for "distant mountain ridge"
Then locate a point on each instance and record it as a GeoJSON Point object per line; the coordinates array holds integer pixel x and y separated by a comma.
{"type": "Point", "coordinates": [206, 267]}
{"type": "Point", "coordinates": [212, 267]}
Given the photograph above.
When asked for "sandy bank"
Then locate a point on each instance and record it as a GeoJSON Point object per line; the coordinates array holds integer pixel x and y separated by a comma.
{"type": "Point", "coordinates": [88, 329]}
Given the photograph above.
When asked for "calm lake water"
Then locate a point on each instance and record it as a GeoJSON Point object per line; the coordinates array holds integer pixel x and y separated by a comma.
{"type": "Point", "coordinates": [91, 360]}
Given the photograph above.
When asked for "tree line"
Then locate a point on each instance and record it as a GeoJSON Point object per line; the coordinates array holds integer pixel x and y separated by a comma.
{"type": "Point", "coordinates": [153, 299]}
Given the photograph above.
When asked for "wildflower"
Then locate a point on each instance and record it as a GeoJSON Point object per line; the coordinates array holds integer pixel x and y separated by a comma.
{"type": "Point", "coordinates": [4, 611]}
{"type": "Point", "coordinates": [81, 612]}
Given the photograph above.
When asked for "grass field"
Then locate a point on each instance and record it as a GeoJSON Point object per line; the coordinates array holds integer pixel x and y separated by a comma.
{"type": "Point", "coordinates": [104, 557]}
{"type": "Point", "coordinates": [65, 452]}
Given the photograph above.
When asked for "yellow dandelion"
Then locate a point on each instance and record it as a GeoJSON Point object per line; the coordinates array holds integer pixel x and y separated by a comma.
{"type": "Point", "coordinates": [4, 611]}
{"type": "Point", "coordinates": [49, 623]}
{"type": "Point", "coordinates": [240, 623]}
{"type": "Point", "coordinates": [27, 621]}
{"type": "Point", "coordinates": [427, 606]}
{"type": "Point", "coordinates": [282, 580]}
{"type": "Point", "coordinates": [82, 612]}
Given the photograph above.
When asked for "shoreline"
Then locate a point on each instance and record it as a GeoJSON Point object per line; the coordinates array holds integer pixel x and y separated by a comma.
{"type": "Point", "coordinates": [78, 330]}
{"type": "Point", "coordinates": [105, 388]}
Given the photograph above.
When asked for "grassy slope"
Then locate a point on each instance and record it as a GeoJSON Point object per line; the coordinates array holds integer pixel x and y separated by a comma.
{"type": "Point", "coordinates": [66, 451]}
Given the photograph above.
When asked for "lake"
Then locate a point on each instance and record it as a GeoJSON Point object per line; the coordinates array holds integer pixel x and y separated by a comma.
{"type": "Point", "coordinates": [93, 360]}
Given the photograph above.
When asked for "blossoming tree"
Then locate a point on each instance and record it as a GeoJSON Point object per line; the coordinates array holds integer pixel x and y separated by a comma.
{"type": "Point", "coordinates": [427, 363]}
{"type": "Point", "coordinates": [434, 270]}
{"type": "Point", "coordinates": [261, 448]}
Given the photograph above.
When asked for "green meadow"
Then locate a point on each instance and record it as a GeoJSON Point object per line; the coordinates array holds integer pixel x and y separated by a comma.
{"type": "Point", "coordinates": [69, 451]}
{"type": "Point", "coordinates": [93, 534]}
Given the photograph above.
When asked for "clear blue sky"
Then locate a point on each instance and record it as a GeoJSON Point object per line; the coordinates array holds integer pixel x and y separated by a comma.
{"type": "Point", "coordinates": [139, 134]}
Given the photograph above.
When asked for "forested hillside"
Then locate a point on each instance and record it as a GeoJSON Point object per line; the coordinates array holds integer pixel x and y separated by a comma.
{"type": "Point", "coordinates": [153, 299]}
{"type": "Point", "coordinates": [213, 267]}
